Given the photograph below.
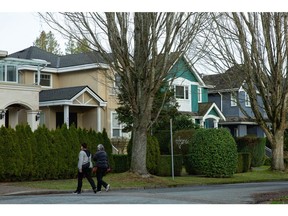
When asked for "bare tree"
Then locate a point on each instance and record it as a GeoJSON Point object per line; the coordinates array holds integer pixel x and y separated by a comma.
{"type": "Point", "coordinates": [258, 42]}
{"type": "Point", "coordinates": [141, 45]}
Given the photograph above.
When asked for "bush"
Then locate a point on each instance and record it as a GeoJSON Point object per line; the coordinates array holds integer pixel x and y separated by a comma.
{"type": "Point", "coordinates": [164, 139]}
{"type": "Point", "coordinates": [255, 146]}
{"type": "Point", "coordinates": [120, 163]}
{"type": "Point", "coordinates": [244, 162]}
{"type": "Point", "coordinates": [213, 153]}
{"type": "Point", "coordinates": [181, 140]}
{"type": "Point", "coordinates": [165, 165]}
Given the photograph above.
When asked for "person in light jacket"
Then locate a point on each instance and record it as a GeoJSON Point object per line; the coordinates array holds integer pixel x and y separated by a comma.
{"type": "Point", "coordinates": [102, 165]}
{"type": "Point", "coordinates": [84, 168]}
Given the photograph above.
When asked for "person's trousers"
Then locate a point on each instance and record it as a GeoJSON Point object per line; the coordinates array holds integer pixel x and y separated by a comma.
{"type": "Point", "coordinates": [85, 173]}
{"type": "Point", "coordinates": [99, 175]}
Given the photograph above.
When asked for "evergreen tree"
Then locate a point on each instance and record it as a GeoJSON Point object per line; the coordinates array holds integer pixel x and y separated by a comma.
{"type": "Point", "coordinates": [75, 47]}
{"type": "Point", "coordinates": [48, 42]}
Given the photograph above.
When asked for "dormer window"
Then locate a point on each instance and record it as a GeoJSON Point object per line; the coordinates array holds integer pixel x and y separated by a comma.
{"type": "Point", "coordinates": [247, 100]}
{"type": "Point", "coordinates": [233, 99]}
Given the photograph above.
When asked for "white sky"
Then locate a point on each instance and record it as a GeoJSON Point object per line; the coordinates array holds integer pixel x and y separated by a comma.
{"type": "Point", "coordinates": [20, 24]}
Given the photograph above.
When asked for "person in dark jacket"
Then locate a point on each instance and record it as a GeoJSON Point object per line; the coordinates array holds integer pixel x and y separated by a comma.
{"type": "Point", "coordinates": [101, 162]}
{"type": "Point", "coordinates": [84, 168]}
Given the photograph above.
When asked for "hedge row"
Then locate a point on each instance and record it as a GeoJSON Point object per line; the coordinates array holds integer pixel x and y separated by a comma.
{"type": "Point", "coordinates": [45, 154]}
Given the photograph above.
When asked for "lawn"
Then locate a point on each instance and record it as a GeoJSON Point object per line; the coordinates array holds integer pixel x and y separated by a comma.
{"type": "Point", "coordinates": [130, 180]}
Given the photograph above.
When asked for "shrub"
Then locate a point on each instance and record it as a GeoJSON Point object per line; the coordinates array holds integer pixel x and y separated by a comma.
{"type": "Point", "coordinates": [165, 165]}
{"type": "Point", "coordinates": [181, 140]}
{"type": "Point", "coordinates": [213, 152]}
{"type": "Point", "coordinates": [244, 162]}
{"type": "Point", "coordinates": [120, 163]}
{"type": "Point", "coordinates": [255, 146]}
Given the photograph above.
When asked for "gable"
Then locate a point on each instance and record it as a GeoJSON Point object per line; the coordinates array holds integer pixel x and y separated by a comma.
{"type": "Point", "coordinates": [182, 69]}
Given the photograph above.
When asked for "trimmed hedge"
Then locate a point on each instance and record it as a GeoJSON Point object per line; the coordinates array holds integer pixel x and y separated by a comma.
{"type": "Point", "coordinates": [244, 162]}
{"type": "Point", "coordinates": [120, 163]}
{"type": "Point", "coordinates": [44, 154]}
{"type": "Point", "coordinates": [255, 146]}
{"type": "Point", "coordinates": [212, 153]}
{"type": "Point", "coordinates": [165, 165]}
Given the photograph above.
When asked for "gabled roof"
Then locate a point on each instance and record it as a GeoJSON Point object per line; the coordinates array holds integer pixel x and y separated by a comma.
{"type": "Point", "coordinates": [66, 95]}
{"type": "Point", "coordinates": [232, 79]}
{"type": "Point", "coordinates": [206, 109]}
{"type": "Point", "coordinates": [57, 61]}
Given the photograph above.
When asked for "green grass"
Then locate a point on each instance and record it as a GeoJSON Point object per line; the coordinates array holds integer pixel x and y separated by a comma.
{"type": "Point", "coordinates": [130, 180]}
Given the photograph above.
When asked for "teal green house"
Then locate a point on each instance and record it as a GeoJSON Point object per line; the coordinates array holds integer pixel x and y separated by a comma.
{"type": "Point", "coordinates": [192, 94]}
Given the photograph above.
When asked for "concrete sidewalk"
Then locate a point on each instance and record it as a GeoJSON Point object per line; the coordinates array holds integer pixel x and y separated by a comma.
{"type": "Point", "coordinates": [7, 189]}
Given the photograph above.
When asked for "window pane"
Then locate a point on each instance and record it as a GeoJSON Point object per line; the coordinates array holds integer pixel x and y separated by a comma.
{"type": "Point", "coordinates": [116, 133]}
{"type": "Point", "coordinates": [115, 123]}
{"type": "Point", "coordinates": [45, 79]}
{"type": "Point", "coordinates": [186, 92]}
{"type": "Point", "coordinates": [179, 90]}
{"type": "Point", "coordinates": [11, 73]}
{"type": "Point", "coordinates": [2, 72]}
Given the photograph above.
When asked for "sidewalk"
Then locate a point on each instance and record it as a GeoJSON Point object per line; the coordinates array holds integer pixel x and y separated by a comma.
{"type": "Point", "coordinates": [7, 189]}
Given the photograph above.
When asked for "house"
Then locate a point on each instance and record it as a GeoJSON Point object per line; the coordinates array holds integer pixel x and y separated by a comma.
{"type": "Point", "coordinates": [192, 95]}
{"type": "Point", "coordinates": [227, 89]}
{"type": "Point", "coordinates": [38, 87]}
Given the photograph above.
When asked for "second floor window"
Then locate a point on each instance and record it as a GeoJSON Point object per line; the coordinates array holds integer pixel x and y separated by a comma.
{"type": "Point", "coordinates": [233, 99]}
{"type": "Point", "coordinates": [247, 100]}
{"type": "Point", "coordinates": [181, 92]}
{"type": "Point", "coordinates": [8, 73]}
{"type": "Point", "coordinates": [45, 79]}
{"type": "Point", "coordinates": [199, 95]}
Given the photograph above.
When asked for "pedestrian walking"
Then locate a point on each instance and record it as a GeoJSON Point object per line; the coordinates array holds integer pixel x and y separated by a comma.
{"type": "Point", "coordinates": [84, 168]}
{"type": "Point", "coordinates": [101, 162]}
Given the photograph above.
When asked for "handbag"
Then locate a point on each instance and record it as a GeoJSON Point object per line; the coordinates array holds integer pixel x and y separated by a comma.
{"type": "Point", "coordinates": [94, 170]}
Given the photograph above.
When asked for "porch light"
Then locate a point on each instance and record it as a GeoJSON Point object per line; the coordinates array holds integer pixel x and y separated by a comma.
{"type": "Point", "coordinates": [2, 114]}
{"type": "Point", "coordinates": [37, 117]}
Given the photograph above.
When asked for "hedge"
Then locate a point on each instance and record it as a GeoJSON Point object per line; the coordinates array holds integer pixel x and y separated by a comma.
{"type": "Point", "coordinates": [165, 165]}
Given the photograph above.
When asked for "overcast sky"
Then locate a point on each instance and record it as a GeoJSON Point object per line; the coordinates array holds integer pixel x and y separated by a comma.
{"type": "Point", "coordinates": [20, 24]}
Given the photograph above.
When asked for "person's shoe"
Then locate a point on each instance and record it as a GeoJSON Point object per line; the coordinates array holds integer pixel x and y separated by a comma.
{"type": "Point", "coordinates": [77, 192]}
{"type": "Point", "coordinates": [95, 191]}
{"type": "Point", "coordinates": [107, 188]}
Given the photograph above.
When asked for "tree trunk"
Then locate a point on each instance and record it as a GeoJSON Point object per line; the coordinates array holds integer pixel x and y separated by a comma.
{"type": "Point", "coordinates": [138, 160]}
{"type": "Point", "coordinates": [278, 151]}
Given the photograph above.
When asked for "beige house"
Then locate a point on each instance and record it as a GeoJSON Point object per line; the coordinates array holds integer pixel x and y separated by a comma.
{"type": "Point", "coordinates": [37, 87]}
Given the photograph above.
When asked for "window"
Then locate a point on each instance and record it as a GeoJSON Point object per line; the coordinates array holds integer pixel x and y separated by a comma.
{"type": "Point", "coordinates": [247, 100]}
{"type": "Point", "coordinates": [116, 84]}
{"type": "Point", "coordinates": [116, 127]}
{"type": "Point", "coordinates": [199, 94]}
{"type": "Point", "coordinates": [45, 79]}
{"type": "Point", "coordinates": [2, 72]}
{"type": "Point", "coordinates": [233, 99]}
{"type": "Point", "coordinates": [8, 73]}
{"type": "Point", "coordinates": [181, 92]}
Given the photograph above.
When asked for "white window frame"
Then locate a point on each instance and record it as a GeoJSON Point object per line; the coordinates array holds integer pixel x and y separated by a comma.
{"type": "Point", "coordinates": [116, 83]}
{"type": "Point", "coordinates": [247, 100]}
{"type": "Point", "coordinates": [5, 75]}
{"type": "Point", "coordinates": [233, 99]}
{"type": "Point", "coordinates": [199, 94]}
{"type": "Point", "coordinates": [43, 74]}
{"type": "Point", "coordinates": [118, 127]}
{"type": "Point", "coordinates": [185, 92]}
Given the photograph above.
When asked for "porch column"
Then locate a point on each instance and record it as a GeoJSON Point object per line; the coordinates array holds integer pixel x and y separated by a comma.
{"type": "Point", "coordinates": [66, 115]}
{"type": "Point", "coordinates": [202, 123]}
{"type": "Point", "coordinates": [2, 117]}
{"type": "Point", "coordinates": [99, 120]}
{"type": "Point", "coordinates": [31, 119]}
{"type": "Point", "coordinates": [215, 121]}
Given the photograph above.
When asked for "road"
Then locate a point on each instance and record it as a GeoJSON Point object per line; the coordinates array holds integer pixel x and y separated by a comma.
{"type": "Point", "coordinates": [206, 194]}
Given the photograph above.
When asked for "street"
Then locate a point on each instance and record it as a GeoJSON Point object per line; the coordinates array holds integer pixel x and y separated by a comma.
{"type": "Point", "coordinates": [206, 194]}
